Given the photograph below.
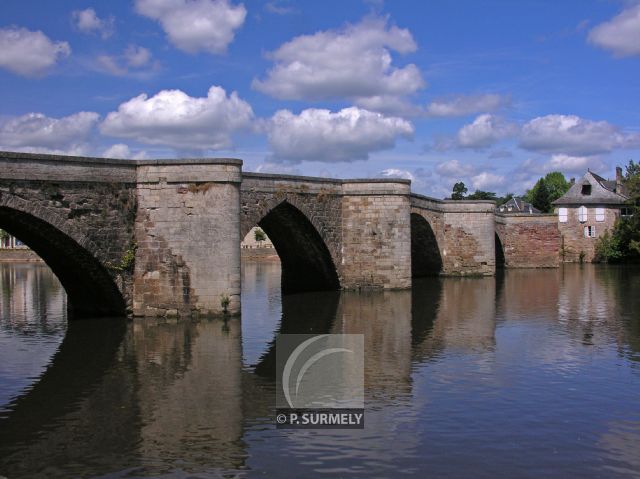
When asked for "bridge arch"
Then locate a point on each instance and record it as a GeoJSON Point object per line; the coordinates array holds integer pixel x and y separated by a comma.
{"type": "Point", "coordinates": [71, 255]}
{"type": "Point", "coordinates": [308, 262]}
{"type": "Point", "coordinates": [426, 258]}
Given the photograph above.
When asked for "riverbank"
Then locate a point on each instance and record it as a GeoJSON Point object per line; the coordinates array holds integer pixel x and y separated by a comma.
{"type": "Point", "coordinates": [19, 255]}
{"type": "Point", "coordinates": [262, 254]}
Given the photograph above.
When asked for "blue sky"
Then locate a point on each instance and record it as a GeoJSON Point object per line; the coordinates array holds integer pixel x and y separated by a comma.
{"type": "Point", "coordinates": [493, 93]}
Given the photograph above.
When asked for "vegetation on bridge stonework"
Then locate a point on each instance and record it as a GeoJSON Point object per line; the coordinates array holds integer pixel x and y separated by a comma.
{"type": "Point", "coordinates": [622, 244]}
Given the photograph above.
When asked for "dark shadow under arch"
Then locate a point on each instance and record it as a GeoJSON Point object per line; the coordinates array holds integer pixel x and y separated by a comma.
{"type": "Point", "coordinates": [306, 262]}
{"type": "Point", "coordinates": [425, 254]}
{"type": "Point", "coordinates": [500, 261]}
{"type": "Point", "coordinates": [90, 289]}
{"type": "Point", "coordinates": [88, 350]}
{"type": "Point", "coordinates": [306, 313]}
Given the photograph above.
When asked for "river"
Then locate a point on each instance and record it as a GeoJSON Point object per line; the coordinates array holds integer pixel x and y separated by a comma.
{"type": "Point", "coordinates": [533, 373]}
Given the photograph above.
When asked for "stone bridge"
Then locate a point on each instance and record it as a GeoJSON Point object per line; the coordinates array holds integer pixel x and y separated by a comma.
{"type": "Point", "coordinates": [162, 237]}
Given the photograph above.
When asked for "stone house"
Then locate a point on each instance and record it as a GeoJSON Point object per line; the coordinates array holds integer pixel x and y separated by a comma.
{"type": "Point", "coordinates": [517, 205]}
{"type": "Point", "coordinates": [250, 242]}
{"type": "Point", "coordinates": [590, 207]}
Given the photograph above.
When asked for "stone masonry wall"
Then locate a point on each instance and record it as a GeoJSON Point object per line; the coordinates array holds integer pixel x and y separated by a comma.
{"type": "Point", "coordinates": [469, 243]}
{"type": "Point", "coordinates": [529, 241]}
{"type": "Point", "coordinates": [78, 214]}
{"type": "Point", "coordinates": [318, 199]}
{"type": "Point", "coordinates": [188, 233]}
{"type": "Point", "coordinates": [376, 239]}
{"type": "Point", "coordinates": [575, 246]}
{"type": "Point", "coordinates": [464, 231]}
{"type": "Point", "coordinates": [183, 221]}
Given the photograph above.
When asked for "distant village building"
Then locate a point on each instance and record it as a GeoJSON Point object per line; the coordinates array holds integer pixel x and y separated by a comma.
{"type": "Point", "coordinates": [590, 207]}
{"type": "Point", "coordinates": [250, 241]}
{"type": "Point", "coordinates": [8, 241]}
{"type": "Point", "coordinates": [517, 205]}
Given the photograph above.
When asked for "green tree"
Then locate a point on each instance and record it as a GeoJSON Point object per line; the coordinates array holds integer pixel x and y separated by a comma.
{"type": "Point", "coordinates": [459, 191]}
{"type": "Point", "coordinates": [540, 198]}
{"type": "Point", "coordinates": [259, 235]}
{"type": "Point", "coordinates": [632, 182]}
{"type": "Point", "coordinates": [623, 243]}
{"type": "Point", "coordinates": [556, 184]}
{"type": "Point", "coordinates": [482, 195]}
{"type": "Point", "coordinates": [3, 234]}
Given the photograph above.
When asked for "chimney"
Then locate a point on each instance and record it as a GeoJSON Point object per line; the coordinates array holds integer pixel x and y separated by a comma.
{"type": "Point", "coordinates": [618, 179]}
{"type": "Point", "coordinates": [572, 181]}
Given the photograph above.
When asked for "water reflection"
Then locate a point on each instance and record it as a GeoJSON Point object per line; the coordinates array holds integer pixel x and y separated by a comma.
{"type": "Point", "coordinates": [467, 376]}
{"type": "Point", "coordinates": [32, 325]}
{"type": "Point", "coordinates": [189, 393]}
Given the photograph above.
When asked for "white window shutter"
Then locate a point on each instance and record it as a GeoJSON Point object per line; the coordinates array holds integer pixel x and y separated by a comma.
{"type": "Point", "coordinates": [582, 214]}
{"type": "Point", "coordinates": [562, 215]}
{"type": "Point", "coordinates": [599, 214]}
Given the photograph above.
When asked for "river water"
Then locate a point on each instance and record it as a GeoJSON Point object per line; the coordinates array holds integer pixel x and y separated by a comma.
{"type": "Point", "coordinates": [530, 374]}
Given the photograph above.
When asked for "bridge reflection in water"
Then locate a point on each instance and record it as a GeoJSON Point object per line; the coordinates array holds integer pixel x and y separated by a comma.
{"type": "Point", "coordinates": [443, 363]}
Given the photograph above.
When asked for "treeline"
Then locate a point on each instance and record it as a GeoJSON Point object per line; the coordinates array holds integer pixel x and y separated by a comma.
{"type": "Point", "coordinates": [622, 243]}
{"type": "Point", "coordinates": [546, 190]}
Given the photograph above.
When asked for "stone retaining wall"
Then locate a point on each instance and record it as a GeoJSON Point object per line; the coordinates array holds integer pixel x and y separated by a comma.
{"type": "Point", "coordinates": [19, 255]}
{"type": "Point", "coordinates": [529, 241]}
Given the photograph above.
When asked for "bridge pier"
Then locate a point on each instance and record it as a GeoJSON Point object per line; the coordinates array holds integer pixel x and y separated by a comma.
{"type": "Point", "coordinates": [187, 230]}
{"type": "Point", "coordinates": [376, 234]}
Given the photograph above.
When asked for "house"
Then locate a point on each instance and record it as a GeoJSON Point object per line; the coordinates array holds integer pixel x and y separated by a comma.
{"type": "Point", "coordinates": [250, 242]}
{"type": "Point", "coordinates": [8, 241]}
{"type": "Point", "coordinates": [517, 205]}
{"type": "Point", "coordinates": [590, 207]}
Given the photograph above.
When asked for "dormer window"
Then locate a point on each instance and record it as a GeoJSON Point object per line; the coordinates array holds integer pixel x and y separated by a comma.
{"type": "Point", "coordinates": [586, 189]}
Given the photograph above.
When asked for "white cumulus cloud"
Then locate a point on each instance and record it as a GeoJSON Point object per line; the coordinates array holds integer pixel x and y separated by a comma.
{"type": "Point", "coordinates": [134, 60]}
{"type": "Point", "coordinates": [484, 131]}
{"type": "Point", "coordinates": [462, 105]}
{"type": "Point", "coordinates": [488, 181]}
{"type": "Point", "coordinates": [120, 150]}
{"type": "Point", "coordinates": [196, 25]}
{"type": "Point", "coordinates": [573, 164]}
{"type": "Point", "coordinates": [572, 135]}
{"type": "Point", "coordinates": [29, 53]}
{"type": "Point", "coordinates": [37, 132]}
{"type": "Point", "coordinates": [397, 173]}
{"type": "Point", "coordinates": [454, 169]}
{"type": "Point", "coordinates": [321, 135]}
{"type": "Point", "coordinates": [354, 62]}
{"type": "Point", "coordinates": [621, 34]}
{"type": "Point", "coordinates": [87, 21]}
{"type": "Point", "coordinates": [173, 118]}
